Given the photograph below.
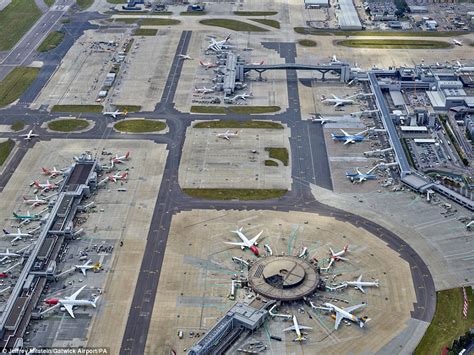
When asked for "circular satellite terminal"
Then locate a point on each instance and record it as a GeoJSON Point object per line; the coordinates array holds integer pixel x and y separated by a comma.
{"type": "Point", "coordinates": [284, 278]}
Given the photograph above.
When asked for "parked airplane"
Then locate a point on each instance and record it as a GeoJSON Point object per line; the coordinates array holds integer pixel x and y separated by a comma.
{"type": "Point", "coordinates": [218, 46]}
{"type": "Point", "coordinates": [208, 65]}
{"type": "Point", "coordinates": [349, 138]}
{"type": "Point", "coordinates": [344, 313]}
{"type": "Point", "coordinates": [203, 90]}
{"type": "Point", "coordinates": [227, 134]}
{"type": "Point", "coordinates": [359, 177]}
{"type": "Point", "coordinates": [47, 186]}
{"type": "Point", "coordinates": [115, 113]}
{"type": "Point", "coordinates": [336, 256]}
{"type": "Point", "coordinates": [52, 173]}
{"type": "Point", "coordinates": [120, 159]}
{"type": "Point", "coordinates": [35, 201]}
{"type": "Point", "coordinates": [363, 113]}
{"type": "Point", "coordinates": [322, 120]}
{"type": "Point", "coordinates": [7, 254]}
{"type": "Point", "coordinates": [118, 176]}
{"type": "Point", "coordinates": [337, 101]}
{"type": "Point", "coordinates": [16, 236]}
{"type": "Point", "coordinates": [246, 243]}
{"type": "Point", "coordinates": [243, 96]}
{"type": "Point", "coordinates": [185, 57]}
{"type": "Point", "coordinates": [28, 136]}
{"type": "Point", "coordinates": [457, 42]}
{"type": "Point", "coordinates": [69, 302]}
{"type": "Point", "coordinates": [359, 283]}
{"type": "Point", "coordinates": [335, 60]}
{"type": "Point", "coordinates": [297, 328]}
{"type": "Point", "coordinates": [28, 216]}
{"type": "Point", "coordinates": [88, 266]}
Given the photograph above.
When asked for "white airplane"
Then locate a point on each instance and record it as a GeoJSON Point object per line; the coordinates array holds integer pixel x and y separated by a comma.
{"type": "Point", "coordinates": [227, 135]}
{"type": "Point", "coordinates": [115, 113]}
{"type": "Point", "coordinates": [120, 159]}
{"type": "Point", "coordinates": [16, 236]}
{"type": "Point", "coordinates": [337, 101]}
{"type": "Point", "coordinates": [335, 60]}
{"type": "Point", "coordinates": [88, 266]}
{"type": "Point", "coordinates": [46, 186]}
{"type": "Point", "coordinates": [203, 90]}
{"type": "Point", "coordinates": [359, 283]}
{"type": "Point", "coordinates": [297, 328]}
{"type": "Point", "coordinates": [118, 176]}
{"type": "Point", "coordinates": [28, 136]}
{"type": "Point", "coordinates": [69, 302]}
{"type": "Point", "coordinates": [457, 42]}
{"type": "Point", "coordinates": [7, 254]}
{"type": "Point", "coordinates": [35, 201]}
{"type": "Point", "coordinates": [345, 313]}
{"type": "Point", "coordinates": [53, 172]}
{"type": "Point", "coordinates": [336, 256]}
{"type": "Point", "coordinates": [322, 120]}
{"type": "Point", "coordinates": [185, 57]}
{"type": "Point", "coordinates": [246, 243]}
{"type": "Point", "coordinates": [218, 46]}
{"type": "Point", "coordinates": [358, 176]}
{"type": "Point", "coordinates": [243, 96]}
{"type": "Point", "coordinates": [208, 65]}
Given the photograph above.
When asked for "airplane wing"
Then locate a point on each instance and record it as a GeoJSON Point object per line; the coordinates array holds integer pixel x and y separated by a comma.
{"type": "Point", "coordinates": [344, 132]}
{"type": "Point", "coordinates": [254, 239]}
{"type": "Point", "coordinates": [362, 178]}
{"type": "Point", "coordinates": [289, 328]}
{"type": "Point", "coordinates": [350, 140]}
{"type": "Point", "coordinates": [360, 288]}
{"type": "Point", "coordinates": [353, 308]}
{"type": "Point", "coordinates": [83, 270]}
{"type": "Point", "coordinates": [338, 320]}
{"type": "Point", "coordinates": [75, 294]}
{"type": "Point", "coordinates": [334, 97]}
{"type": "Point", "coordinates": [302, 327]}
{"type": "Point", "coordinates": [241, 244]}
{"type": "Point", "coordinates": [337, 104]}
{"type": "Point", "coordinates": [342, 258]}
{"type": "Point", "coordinates": [69, 310]}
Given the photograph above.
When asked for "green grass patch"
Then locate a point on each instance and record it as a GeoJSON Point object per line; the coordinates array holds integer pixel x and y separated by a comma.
{"type": "Point", "coordinates": [159, 22]}
{"type": "Point", "coordinates": [255, 13]}
{"type": "Point", "coordinates": [307, 43]}
{"type": "Point", "coordinates": [16, 83]}
{"type": "Point", "coordinates": [270, 163]}
{"type": "Point", "coordinates": [271, 23]}
{"type": "Point", "coordinates": [66, 20]}
{"type": "Point", "coordinates": [15, 20]}
{"type": "Point", "coordinates": [139, 126]}
{"type": "Point", "coordinates": [320, 32]}
{"type": "Point", "coordinates": [129, 108]}
{"type": "Point", "coordinates": [117, 2]}
{"type": "Point", "coordinates": [235, 109]}
{"type": "Point", "coordinates": [5, 149]}
{"type": "Point", "coordinates": [145, 32]}
{"type": "Point", "coordinates": [235, 194]}
{"type": "Point", "coordinates": [49, 3]}
{"type": "Point", "coordinates": [69, 125]}
{"type": "Point", "coordinates": [193, 13]}
{"type": "Point", "coordinates": [52, 40]}
{"type": "Point", "coordinates": [393, 44]}
{"type": "Point", "coordinates": [77, 108]}
{"type": "Point", "coordinates": [448, 322]}
{"type": "Point", "coordinates": [84, 4]}
{"type": "Point", "coordinates": [407, 152]}
{"type": "Point", "coordinates": [280, 154]}
{"type": "Point", "coordinates": [17, 125]}
{"type": "Point", "coordinates": [238, 124]}
{"type": "Point", "coordinates": [233, 25]}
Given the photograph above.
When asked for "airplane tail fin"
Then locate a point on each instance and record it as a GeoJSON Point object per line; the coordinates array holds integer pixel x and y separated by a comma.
{"type": "Point", "coordinates": [227, 38]}
{"type": "Point", "coordinates": [46, 171]}
{"type": "Point", "coordinates": [5, 231]}
{"type": "Point", "coordinates": [262, 62]}
{"type": "Point", "coordinates": [127, 155]}
{"type": "Point", "coordinates": [94, 302]}
{"type": "Point", "coordinates": [346, 247]}
{"type": "Point", "coordinates": [15, 215]}
{"type": "Point", "coordinates": [363, 320]}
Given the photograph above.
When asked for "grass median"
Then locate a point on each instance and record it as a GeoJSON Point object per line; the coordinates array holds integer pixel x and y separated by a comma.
{"type": "Point", "coordinates": [16, 83]}
{"type": "Point", "coordinates": [77, 108]}
{"type": "Point", "coordinates": [51, 41]}
{"type": "Point", "coordinates": [5, 149]}
{"type": "Point", "coordinates": [145, 32]}
{"type": "Point", "coordinates": [307, 43]}
{"type": "Point", "coordinates": [238, 124]}
{"type": "Point", "coordinates": [322, 32]}
{"type": "Point", "coordinates": [128, 108]}
{"type": "Point", "coordinates": [17, 126]}
{"type": "Point", "coordinates": [393, 44]}
{"type": "Point", "coordinates": [84, 4]}
{"type": "Point", "coordinates": [448, 322]}
{"type": "Point", "coordinates": [68, 125]}
{"type": "Point", "coordinates": [235, 109]}
{"type": "Point", "coordinates": [234, 25]}
{"type": "Point", "coordinates": [269, 162]}
{"type": "Point", "coordinates": [271, 23]}
{"type": "Point", "coordinates": [280, 154]}
{"type": "Point", "coordinates": [236, 194]}
{"type": "Point", "coordinates": [139, 126]}
{"type": "Point", "coordinates": [15, 20]}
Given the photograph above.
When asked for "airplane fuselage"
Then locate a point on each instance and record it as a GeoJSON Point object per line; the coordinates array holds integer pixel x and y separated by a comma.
{"type": "Point", "coordinates": [353, 139]}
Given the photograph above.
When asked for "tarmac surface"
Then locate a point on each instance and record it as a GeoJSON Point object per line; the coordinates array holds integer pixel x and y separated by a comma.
{"type": "Point", "coordinates": [310, 166]}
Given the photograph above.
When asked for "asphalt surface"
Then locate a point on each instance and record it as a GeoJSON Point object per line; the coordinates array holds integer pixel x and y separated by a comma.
{"type": "Point", "coordinates": [309, 166]}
